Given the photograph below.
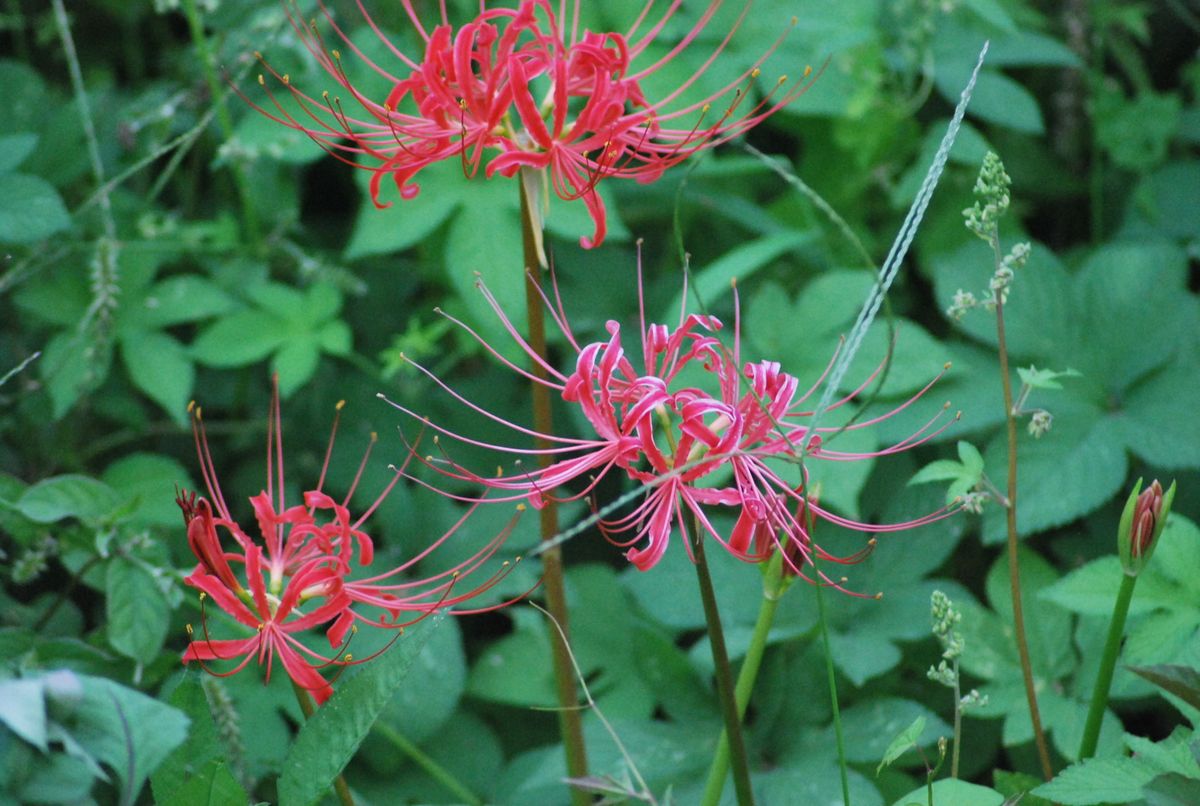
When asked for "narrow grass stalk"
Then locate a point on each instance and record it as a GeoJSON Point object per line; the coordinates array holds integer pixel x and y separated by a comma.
{"type": "Point", "coordinates": [1014, 573]}
{"type": "Point", "coordinates": [725, 693]}
{"type": "Point", "coordinates": [773, 587]}
{"type": "Point", "coordinates": [838, 734]}
{"type": "Point", "coordinates": [224, 120]}
{"type": "Point", "coordinates": [569, 717]}
{"type": "Point", "coordinates": [1108, 664]}
{"type": "Point", "coordinates": [436, 771]}
{"type": "Point", "coordinates": [308, 707]}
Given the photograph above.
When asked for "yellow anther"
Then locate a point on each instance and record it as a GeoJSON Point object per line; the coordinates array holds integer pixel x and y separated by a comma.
{"type": "Point", "coordinates": [257, 55]}
{"type": "Point", "coordinates": [807, 70]}
{"type": "Point", "coordinates": [191, 405]}
{"type": "Point", "coordinates": [261, 81]}
{"type": "Point", "coordinates": [340, 405]}
{"type": "Point", "coordinates": [520, 507]}
{"type": "Point", "coordinates": [203, 596]}
{"type": "Point", "coordinates": [349, 657]}
{"type": "Point", "coordinates": [287, 79]}
{"type": "Point", "coordinates": [325, 94]}
{"type": "Point", "coordinates": [189, 629]}
{"type": "Point", "coordinates": [755, 73]}
{"type": "Point", "coordinates": [878, 596]}
{"type": "Point", "coordinates": [337, 54]}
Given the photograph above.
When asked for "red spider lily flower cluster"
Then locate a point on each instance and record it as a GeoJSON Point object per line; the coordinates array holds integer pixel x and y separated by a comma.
{"type": "Point", "coordinates": [309, 570]}
{"type": "Point", "coordinates": [527, 87]}
{"type": "Point", "coordinates": [690, 448]}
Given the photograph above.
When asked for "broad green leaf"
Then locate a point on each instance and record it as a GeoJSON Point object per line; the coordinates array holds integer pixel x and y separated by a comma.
{"type": "Point", "coordinates": [213, 786]}
{"type": "Point", "coordinates": [239, 339]}
{"type": "Point", "coordinates": [161, 367]}
{"type": "Point", "coordinates": [711, 283]}
{"type": "Point", "coordinates": [1172, 789]}
{"type": "Point", "coordinates": [126, 730]}
{"type": "Point", "coordinates": [195, 757]}
{"type": "Point", "coordinates": [1018, 784]}
{"type": "Point", "coordinates": [904, 740]}
{"type": "Point", "coordinates": [1099, 780]}
{"type": "Point", "coordinates": [327, 741]}
{"type": "Point", "coordinates": [14, 148]}
{"type": "Point", "coordinates": [72, 365]}
{"type": "Point", "coordinates": [1075, 468]}
{"type": "Point", "coordinates": [871, 726]}
{"type": "Point", "coordinates": [952, 792]}
{"type": "Point", "coordinates": [30, 209]}
{"type": "Point", "coordinates": [69, 496]}
{"type": "Point", "coordinates": [516, 669]}
{"type": "Point", "coordinates": [941, 470]}
{"type": "Point", "coordinates": [405, 223]}
{"type": "Point", "coordinates": [151, 479]}
{"type": "Point", "coordinates": [23, 710]}
{"type": "Point", "coordinates": [57, 778]}
{"type": "Point", "coordinates": [186, 298]}
{"type": "Point", "coordinates": [1156, 422]}
{"type": "Point", "coordinates": [295, 364]}
{"type": "Point", "coordinates": [137, 612]}
{"type": "Point", "coordinates": [420, 711]}
{"type": "Point", "coordinates": [999, 100]}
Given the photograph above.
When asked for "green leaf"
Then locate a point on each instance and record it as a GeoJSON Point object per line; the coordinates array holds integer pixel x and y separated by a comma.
{"type": "Point", "coordinates": [712, 283]}
{"type": "Point", "coordinates": [23, 710]}
{"type": "Point", "coordinates": [1099, 780]}
{"type": "Point", "coordinates": [940, 470]}
{"type": "Point", "coordinates": [150, 479]}
{"type": "Point", "coordinates": [161, 367]}
{"type": "Point", "coordinates": [126, 730]}
{"type": "Point", "coordinates": [1172, 789]}
{"type": "Point", "coordinates": [69, 496]}
{"type": "Point", "coordinates": [213, 786]}
{"type": "Point", "coordinates": [72, 366]}
{"type": "Point", "coordinates": [516, 670]}
{"type": "Point", "coordinates": [1018, 784]}
{"type": "Point", "coordinates": [14, 148]}
{"type": "Point", "coordinates": [1182, 681]}
{"type": "Point", "coordinates": [952, 792]}
{"type": "Point", "coordinates": [198, 754]}
{"type": "Point", "coordinates": [30, 209]}
{"type": "Point", "coordinates": [405, 223]}
{"type": "Point", "coordinates": [868, 726]}
{"type": "Point", "coordinates": [1000, 100]}
{"type": "Point", "coordinates": [1044, 378]}
{"type": "Point", "coordinates": [904, 740]}
{"type": "Point", "coordinates": [295, 364]}
{"type": "Point", "coordinates": [137, 612]}
{"type": "Point", "coordinates": [182, 299]}
{"type": "Point", "coordinates": [240, 339]}
{"type": "Point", "coordinates": [327, 741]}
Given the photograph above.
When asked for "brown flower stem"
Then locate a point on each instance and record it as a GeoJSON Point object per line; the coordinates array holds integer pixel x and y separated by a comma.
{"type": "Point", "coordinates": [1014, 574]}
{"type": "Point", "coordinates": [724, 675]}
{"type": "Point", "coordinates": [308, 707]}
{"type": "Point", "coordinates": [570, 721]}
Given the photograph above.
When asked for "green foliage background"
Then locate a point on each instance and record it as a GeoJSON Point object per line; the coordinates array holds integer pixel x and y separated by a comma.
{"type": "Point", "coordinates": [209, 256]}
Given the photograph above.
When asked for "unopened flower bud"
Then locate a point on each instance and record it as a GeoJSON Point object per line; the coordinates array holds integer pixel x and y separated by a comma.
{"type": "Point", "coordinates": [1039, 423]}
{"type": "Point", "coordinates": [1141, 523]}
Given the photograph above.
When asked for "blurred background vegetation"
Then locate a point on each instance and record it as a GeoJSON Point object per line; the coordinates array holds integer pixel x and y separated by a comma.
{"type": "Point", "coordinates": [169, 243]}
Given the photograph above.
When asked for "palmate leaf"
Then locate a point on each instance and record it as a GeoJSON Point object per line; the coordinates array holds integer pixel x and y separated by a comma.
{"type": "Point", "coordinates": [327, 741]}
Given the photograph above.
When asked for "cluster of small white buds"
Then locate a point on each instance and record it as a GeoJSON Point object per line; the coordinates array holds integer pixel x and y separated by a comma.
{"type": "Point", "coordinates": [974, 501]}
{"type": "Point", "coordinates": [1039, 423]}
{"type": "Point", "coordinates": [973, 699]}
{"type": "Point", "coordinates": [963, 301]}
{"type": "Point", "coordinates": [992, 188]}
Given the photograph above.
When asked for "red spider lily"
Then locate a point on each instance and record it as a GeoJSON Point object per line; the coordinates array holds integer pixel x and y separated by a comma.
{"type": "Point", "coordinates": [690, 448]}
{"type": "Point", "coordinates": [306, 570]}
{"type": "Point", "coordinates": [524, 84]}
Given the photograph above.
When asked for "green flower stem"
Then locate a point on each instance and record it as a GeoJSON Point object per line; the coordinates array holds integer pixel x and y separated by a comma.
{"type": "Point", "coordinates": [1108, 663]}
{"type": "Point", "coordinates": [434, 770]}
{"type": "Point", "coordinates": [773, 588]}
{"type": "Point", "coordinates": [958, 709]}
{"type": "Point", "coordinates": [308, 707]}
{"type": "Point", "coordinates": [570, 721]}
{"type": "Point", "coordinates": [224, 119]}
{"type": "Point", "coordinates": [1014, 574]}
{"type": "Point", "coordinates": [729, 708]}
{"type": "Point", "coordinates": [833, 695]}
